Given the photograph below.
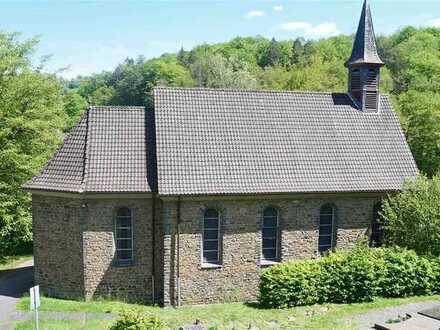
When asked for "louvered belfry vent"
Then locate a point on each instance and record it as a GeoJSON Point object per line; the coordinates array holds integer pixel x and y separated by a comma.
{"type": "Point", "coordinates": [355, 79]}
{"type": "Point", "coordinates": [364, 65]}
{"type": "Point", "coordinates": [372, 78]}
{"type": "Point", "coordinates": [370, 103]}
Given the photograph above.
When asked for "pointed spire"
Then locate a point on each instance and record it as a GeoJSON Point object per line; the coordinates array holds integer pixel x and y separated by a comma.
{"type": "Point", "coordinates": [364, 48]}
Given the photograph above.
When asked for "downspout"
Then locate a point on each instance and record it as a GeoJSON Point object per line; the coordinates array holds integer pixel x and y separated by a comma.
{"type": "Point", "coordinates": [153, 248]}
{"type": "Point", "coordinates": [178, 252]}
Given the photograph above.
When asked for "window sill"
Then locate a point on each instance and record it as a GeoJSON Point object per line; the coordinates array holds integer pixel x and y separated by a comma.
{"type": "Point", "coordinates": [210, 266]}
{"type": "Point", "coordinates": [268, 263]}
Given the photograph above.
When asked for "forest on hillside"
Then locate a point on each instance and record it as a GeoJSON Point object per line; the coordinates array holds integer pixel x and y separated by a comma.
{"type": "Point", "coordinates": [37, 109]}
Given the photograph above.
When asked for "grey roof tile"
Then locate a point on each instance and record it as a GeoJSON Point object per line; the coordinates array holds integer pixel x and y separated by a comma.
{"type": "Point", "coordinates": [232, 142]}
{"type": "Point", "coordinates": [105, 152]}
{"type": "Point", "coordinates": [238, 142]}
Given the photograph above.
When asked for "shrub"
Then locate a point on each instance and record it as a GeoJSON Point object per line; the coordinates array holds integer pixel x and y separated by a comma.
{"type": "Point", "coordinates": [349, 277]}
{"type": "Point", "coordinates": [292, 283]}
{"type": "Point", "coordinates": [412, 217]}
{"type": "Point", "coordinates": [133, 320]}
{"type": "Point", "coordinates": [406, 274]}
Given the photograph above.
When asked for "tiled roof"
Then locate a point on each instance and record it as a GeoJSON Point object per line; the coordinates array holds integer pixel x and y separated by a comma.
{"type": "Point", "coordinates": [364, 48]}
{"type": "Point", "coordinates": [232, 142]}
{"type": "Point", "coordinates": [105, 152]}
{"type": "Point", "coordinates": [238, 142]}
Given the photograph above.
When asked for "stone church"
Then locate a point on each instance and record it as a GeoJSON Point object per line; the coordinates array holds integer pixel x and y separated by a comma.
{"type": "Point", "coordinates": [187, 202]}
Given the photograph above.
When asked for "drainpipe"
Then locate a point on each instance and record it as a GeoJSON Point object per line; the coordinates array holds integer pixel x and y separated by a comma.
{"type": "Point", "coordinates": [178, 251]}
{"type": "Point", "coordinates": [153, 242]}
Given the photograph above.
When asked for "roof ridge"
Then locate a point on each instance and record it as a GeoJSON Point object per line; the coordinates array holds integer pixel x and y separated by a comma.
{"type": "Point", "coordinates": [115, 107]}
{"type": "Point", "coordinates": [247, 90]}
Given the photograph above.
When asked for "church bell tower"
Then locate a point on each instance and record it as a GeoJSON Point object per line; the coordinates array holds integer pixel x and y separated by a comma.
{"type": "Point", "coordinates": [364, 65]}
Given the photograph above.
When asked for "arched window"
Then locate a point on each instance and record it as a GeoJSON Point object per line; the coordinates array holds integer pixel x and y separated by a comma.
{"type": "Point", "coordinates": [124, 235]}
{"type": "Point", "coordinates": [326, 228]}
{"type": "Point", "coordinates": [211, 237]}
{"type": "Point", "coordinates": [270, 234]}
{"type": "Point", "coordinates": [376, 229]}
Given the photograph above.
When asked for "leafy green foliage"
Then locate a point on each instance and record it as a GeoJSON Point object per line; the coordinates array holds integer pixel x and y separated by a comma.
{"type": "Point", "coordinates": [421, 120]}
{"type": "Point", "coordinates": [406, 274]}
{"type": "Point", "coordinates": [412, 218]}
{"type": "Point", "coordinates": [348, 277]}
{"type": "Point", "coordinates": [134, 320]}
{"type": "Point", "coordinates": [214, 71]}
{"type": "Point", "coordinates": [31, 122]}
{"type": "Point", "coordinates": [74, 105]}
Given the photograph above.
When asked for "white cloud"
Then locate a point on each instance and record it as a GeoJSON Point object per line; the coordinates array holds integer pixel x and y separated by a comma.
{"type": "Point", "coordinates": [434, 22]}
{"type": "Point", "coordinates": [293, 26]}
{"type": "Point", "coordinates": [278, 8]}
{"type": "Point", "coordinates": [310, 30]}
{"type": "Point", "coordinates": [255, 13]}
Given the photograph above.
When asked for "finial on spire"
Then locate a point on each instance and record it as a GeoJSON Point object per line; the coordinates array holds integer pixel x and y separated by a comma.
{"type": "Point", "coordinates": [364, 47]}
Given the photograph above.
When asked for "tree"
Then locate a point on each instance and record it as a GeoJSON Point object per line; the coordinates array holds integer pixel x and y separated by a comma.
{"type": "Point", "coordinates": [412, 218]}
{"type": "Point", "coordinates": [214, 71]}
{"type": "Point", "coordinates": [104, 95]}
{"type": "Point", "coordinates": [31, 122]}
{"type": "Point", "coordinates": [298, 50]}
{"type": "Point", "coordinates": [271, 55]}
{"type": "Point", "coordinates": [165, 71]}
{"type": "Point", "coordinates": [74, 106]}
{"type": "Point", "coordinates": [183, 57]}
{"type": "Point", "coordinates": [420, 116]}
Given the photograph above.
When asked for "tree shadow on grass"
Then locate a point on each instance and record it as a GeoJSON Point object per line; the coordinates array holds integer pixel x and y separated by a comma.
{"type": "Point", "coordinates": [254, 304]}
{"type": "Point", "coordinates": [14, 282]}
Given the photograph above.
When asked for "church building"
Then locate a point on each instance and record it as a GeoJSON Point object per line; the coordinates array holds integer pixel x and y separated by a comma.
{"type": "Point", "coordinates": [187, 202]}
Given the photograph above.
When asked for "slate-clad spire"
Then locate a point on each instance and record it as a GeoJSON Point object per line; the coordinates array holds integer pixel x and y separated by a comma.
{"type": "Point", "coordinates": [364, 65]}
{"type": "Point", "coordinates": [364, 48]}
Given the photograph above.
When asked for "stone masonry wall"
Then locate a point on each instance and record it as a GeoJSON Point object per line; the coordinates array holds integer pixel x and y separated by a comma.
{"type": "Point", "coordinates": [238, 276]}
{"type": "Point", "coordinates": [74, 245]}
{"type": "Point", "coordinates": [58, 246]}
{"type": "Point", "coordinates": [103, 277]}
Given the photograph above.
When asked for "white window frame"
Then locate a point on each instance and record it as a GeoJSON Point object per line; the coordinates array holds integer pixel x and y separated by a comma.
{"type": "Point", "coordinates": [124, 261]}
{"type": "Point", "coordinates": [276, 235]}
{"type": "Point", "coordinates": [211, 262]}
{"type": "Point", "coordinates": [333, 225]}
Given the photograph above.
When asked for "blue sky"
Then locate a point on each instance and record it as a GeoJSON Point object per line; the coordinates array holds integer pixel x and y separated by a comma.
{"type": "Point", "coordinates": [91, 36]}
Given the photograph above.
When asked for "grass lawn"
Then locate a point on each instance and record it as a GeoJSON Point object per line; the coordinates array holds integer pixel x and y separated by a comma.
{"type": "Point", "coordinates": [220, 316]}
{"type": "Point", "coordinates": [64, 325]}
{"type": "Point", "coordinates": [9, 262]}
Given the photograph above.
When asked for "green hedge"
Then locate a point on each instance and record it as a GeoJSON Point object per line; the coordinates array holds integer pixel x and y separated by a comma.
{"type": "Point", "coordinates": [348, 277]}
{"type": "Point", "coordinates": [134, 320]}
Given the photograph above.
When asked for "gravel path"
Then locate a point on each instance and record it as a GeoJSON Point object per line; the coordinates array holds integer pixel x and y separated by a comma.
{"type": "Point", "coordinates": [13, 283]}
{"type": "Point", "coordinates": [366, 321]}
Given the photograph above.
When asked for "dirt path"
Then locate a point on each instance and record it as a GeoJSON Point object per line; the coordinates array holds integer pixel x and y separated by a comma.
{"type": "Point", "coordinates": [13, 283]}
